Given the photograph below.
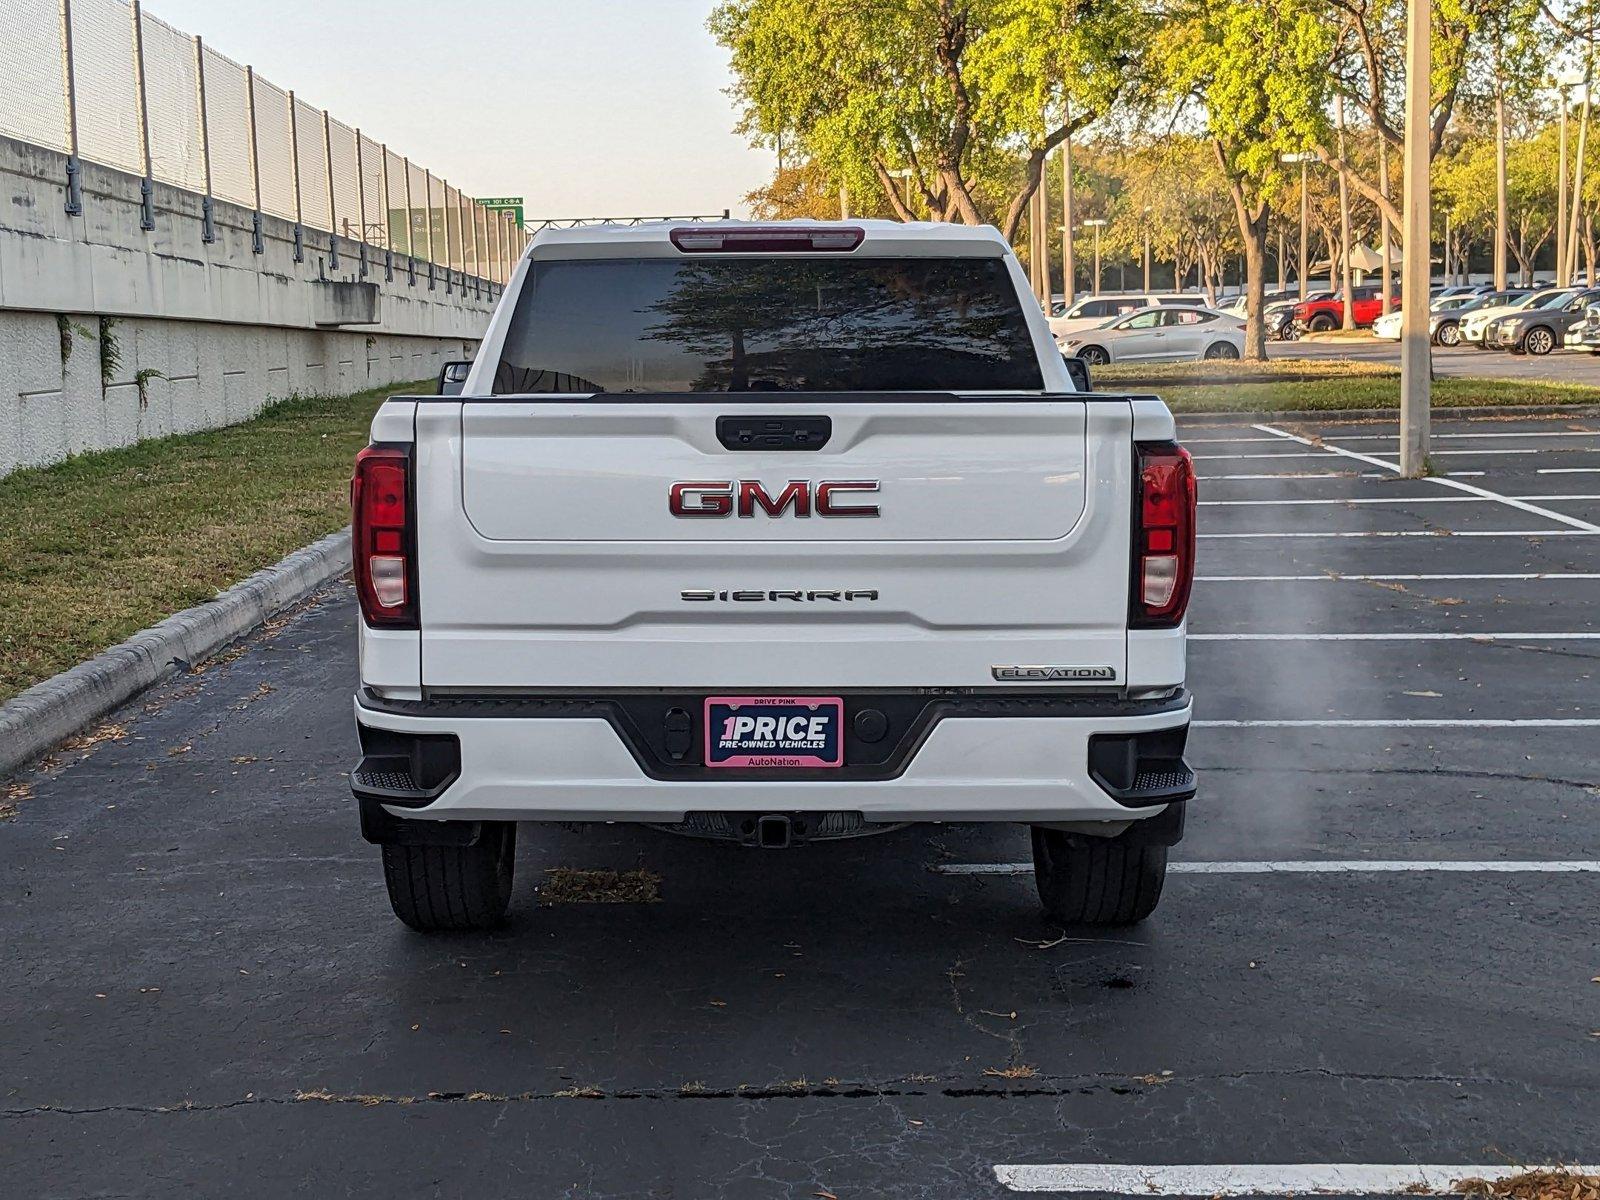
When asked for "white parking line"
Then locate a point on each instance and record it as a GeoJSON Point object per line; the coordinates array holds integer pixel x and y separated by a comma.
{"type": "Point", "coordinates": [1297, 475]}
{"type": "Point", "coordinates": [1253, 1179]}
{"type": "Point", "coordinates": [1411, 723]}
{"type": "Point", "coordinates": [1325, 500]}
{"type": "Point", "coordinates": [1394, 437]}
{"type": "Point", "coordinates": [1420, 636]}
{"type": "Point", "coordinates": [1317, 866]}
{"type": "Point", "coordinates": [1566, 471]}
{"type": "Point", "coordinates": [1429, 533]}
{"type": "Point", "coordinates": [1549, 514]}
{"type": "Point", "coordinates": [1331, 578]}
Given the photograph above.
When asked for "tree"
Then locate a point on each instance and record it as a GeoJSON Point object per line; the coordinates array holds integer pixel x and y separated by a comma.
{"type": "Point", "coordinates": [954, 91]}
{"type": "Point", "coordinates": [1254, 71]}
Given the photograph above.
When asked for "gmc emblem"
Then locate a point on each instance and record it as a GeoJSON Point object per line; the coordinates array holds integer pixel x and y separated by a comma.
{"type": "Point", "coordinates": [800, 497]}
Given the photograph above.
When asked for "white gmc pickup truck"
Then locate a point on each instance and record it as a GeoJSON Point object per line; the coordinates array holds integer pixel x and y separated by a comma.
{"type": "Point", "coordinates": [773, 534]}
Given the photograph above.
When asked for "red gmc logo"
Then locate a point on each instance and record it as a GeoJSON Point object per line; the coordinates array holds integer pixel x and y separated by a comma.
{"type": "Point", "coordinates": [800, 497]}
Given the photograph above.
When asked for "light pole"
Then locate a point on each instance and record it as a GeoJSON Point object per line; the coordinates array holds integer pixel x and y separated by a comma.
{"type": "Point", "coordinates": [1096, 224]}
{"type": "Point", "coordinates": [1416, 361]}
{"type": "Point", "coordinates": [1147, 248]}
{"type": "Point", "coordinates": [1562, 276]}
{"type": "Point", "coordinates": [1304, 159]}
{"type": "Point", "coordinates": [904, 173]}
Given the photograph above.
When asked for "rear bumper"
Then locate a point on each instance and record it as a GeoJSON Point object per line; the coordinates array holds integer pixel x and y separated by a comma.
{"type": "Point", "coordinates": [1035, 759]}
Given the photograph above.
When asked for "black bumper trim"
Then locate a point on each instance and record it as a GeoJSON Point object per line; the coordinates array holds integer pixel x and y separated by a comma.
{"type": "Point", "coordinates": [649, 724]}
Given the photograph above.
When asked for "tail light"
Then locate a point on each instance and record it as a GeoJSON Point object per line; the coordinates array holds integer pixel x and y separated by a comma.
{"type": "Point", "coordinates": [1163, 550]}
{"type": "Point", "coordinates": [766, 239]}
{"type": "Point", "coordinates": [383, 537]}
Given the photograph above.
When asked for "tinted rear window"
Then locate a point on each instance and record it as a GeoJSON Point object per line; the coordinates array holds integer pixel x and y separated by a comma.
{"type": "Point", "coordinates": [768, 325]}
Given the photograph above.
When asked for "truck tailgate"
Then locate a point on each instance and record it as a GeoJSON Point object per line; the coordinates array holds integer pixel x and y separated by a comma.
{"type": "Point", "coordinates": [551, 559]}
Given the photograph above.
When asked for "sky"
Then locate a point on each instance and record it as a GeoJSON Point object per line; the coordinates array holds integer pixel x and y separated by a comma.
{"type": "Point", "coordinates": [583, 107]}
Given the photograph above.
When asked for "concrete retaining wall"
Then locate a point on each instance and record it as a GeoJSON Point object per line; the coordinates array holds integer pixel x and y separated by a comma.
{"type": "Point", "coordinates": [110, 333]}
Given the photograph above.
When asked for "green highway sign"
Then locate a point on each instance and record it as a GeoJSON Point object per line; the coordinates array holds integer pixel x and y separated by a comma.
{"type": "Point", "coordinates": [511, 204]}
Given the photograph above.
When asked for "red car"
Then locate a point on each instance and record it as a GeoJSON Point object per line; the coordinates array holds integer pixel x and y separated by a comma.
{"type": "Point", "coordinates": [1319, 316]}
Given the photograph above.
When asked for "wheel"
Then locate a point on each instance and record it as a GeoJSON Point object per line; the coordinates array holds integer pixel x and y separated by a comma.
{"type": "Point", "coordinates": [1448, 334]}
{"type": "Point", "coordinates": [1322, 323]}
{"type": "Point", "coordinates": [1539, 340]}
{"type": "Point", "coordinates": [1095, 356]}
{"type": "Point", "coordinates": [1222, 350]}
{"type": "Point", "coordinates": [1084, 883]}
{"type": "Point", "coordinates": [439, 888]}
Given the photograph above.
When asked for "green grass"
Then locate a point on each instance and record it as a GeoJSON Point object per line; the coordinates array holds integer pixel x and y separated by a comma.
{"type": "Point", "coordinates": [102, 545]}
{"type": "Point", "coordinates": [1365, 393]}
{"type": "Point", "coordinates": [1237, 371]}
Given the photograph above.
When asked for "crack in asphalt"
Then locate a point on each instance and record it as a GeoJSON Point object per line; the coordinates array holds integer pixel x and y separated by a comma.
{"type": "Point", "coordinates": [1045, 1087]}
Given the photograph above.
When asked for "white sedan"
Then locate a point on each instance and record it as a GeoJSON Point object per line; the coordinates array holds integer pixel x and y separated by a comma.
{"type": "Point", "coordinates": [1164, 334]}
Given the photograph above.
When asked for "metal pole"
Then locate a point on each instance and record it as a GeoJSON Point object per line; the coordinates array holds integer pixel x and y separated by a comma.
{"type": "Point", "coordinates": [411, 228]}
{"type": "Point", "coordinates": [256, 243]}
{"type": "Point", "coordinates": [1415, 355]}
{"type": "Point", "coordinates": [449, 246]}
{"type": "Point", "coordinates": [1283, 283]}
{"type": "Point", "coordinates": [388, 219]}
{"type": "Point", "coordinates": [1387, 247]}
{"type": "Point", "coordinates": [147, 187]}
{"type": "Point", "coordinates": [361, 200]}
{"type": "Point", "coordinates": [1563, 276]}
{"type": "Point", "coordinates": [69, 86]}
{"type": "Point", "coordinates": [1577, 175]}
{"type": "Point", "coordinates": [1305, 228]}
{"type": "Point", "coordinates": [1344, 221]}
{"type": "Point", "coordinates": [294, 176]}
{"type": "Point", "coordinates": [1068, 268]}
{"type": "Point", "coordinates": [208, 222]}
{"type": "Point", "coordinates": [427, 183]}
{"type": "Point", "coordinates": [1044, 233]}
{"type": "Point", "coordinates": [1147, 249]}
{"type": "Point", "coordinates": [1500, 204]}
{"type": "Point", "coordinates": [1097, 260]}
{"type": "Point", "coordinates": [327, 166]}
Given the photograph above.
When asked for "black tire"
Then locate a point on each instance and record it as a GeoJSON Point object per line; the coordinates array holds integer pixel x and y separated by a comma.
{"type": "Point", "coordinates": [1084, 883]}
{"type": "Point", "coordinates": [1322, 323]}
{"type": "Point", "coordinates": [437, 889]}
{"type": "Point", "coordinates": [1221, 350]}
{"type": "Point", "coordinates": [1448, 334]}
{"type": "Point", "coordinates": [1539, 341]}
{"type": "Point", "coordinates": [1095, 356]}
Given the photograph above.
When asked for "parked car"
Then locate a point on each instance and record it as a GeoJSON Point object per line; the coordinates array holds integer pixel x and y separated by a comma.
{"type": "Point", "coordinates": [614, 581]}
{"type": "Point", "coordinates": [1169, 333]}
{"type": "Point", "coordinates": [1095, 310]}
{"type": "Point", "coordinates": [1540, 330]}
{"type": "Point", "coordinates": [1585, 334]}
{"type": "Point", "coordinates": [1445, 327]}
{"type": "Point", "coordinates": [1387, 327]}
{"type": "Point", "coordinates": [1320, 316]}
{"type": "Point", "coordinates": [1474, 324]}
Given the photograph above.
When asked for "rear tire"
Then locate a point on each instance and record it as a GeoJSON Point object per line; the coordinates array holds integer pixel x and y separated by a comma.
{"type": "Point", "coordinates": [1448, 335]}
{"type": "Point", "coordinates": [1221, 350]}
{"type": "Point", "coordinates": [437, 889]}
{"type": "Point", "coordinates": [1084, 883]}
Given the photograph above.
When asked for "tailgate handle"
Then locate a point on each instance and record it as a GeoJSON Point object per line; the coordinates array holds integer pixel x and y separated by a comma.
{"type": "Point", "coordinates": [774, 433]}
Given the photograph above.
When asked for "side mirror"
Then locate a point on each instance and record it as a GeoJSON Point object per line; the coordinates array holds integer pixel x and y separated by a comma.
{"type": "Point", "coordinates": [453, 378]}
{"type": "Point", "coordinates": [1079, 372]}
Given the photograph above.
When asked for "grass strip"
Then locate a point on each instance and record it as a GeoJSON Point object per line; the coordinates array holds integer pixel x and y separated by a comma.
{"type": "Point", "coordinates": [96, 548]}
{"type": "Point", "coordinates": [1365, 393]}
{"type": "Point", "coordinates": [1121, 375]}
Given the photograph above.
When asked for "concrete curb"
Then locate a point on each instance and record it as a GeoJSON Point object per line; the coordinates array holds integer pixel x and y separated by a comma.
{"type": "Point", "coordinates": [53, 710]}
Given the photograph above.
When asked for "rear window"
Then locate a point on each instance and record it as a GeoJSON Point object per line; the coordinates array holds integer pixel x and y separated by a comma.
{"type": "Point", "coordinates": [768, 325]}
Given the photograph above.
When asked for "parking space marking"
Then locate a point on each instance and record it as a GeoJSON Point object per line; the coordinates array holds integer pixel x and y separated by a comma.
{"type": "Point", "coordinates": [1428, 533]}
{"type": "Point", "coordinates": [1254, 1179]}
{"type": "Point", "coordinates": [1453, 635]}
{"type": "Point", "coordinates": [1549, 514]}
{"type": "Point", "coordinates": [1302, 475]}
{"type": "Point", "coordinates": [1333, 577]}
{"type": "Point", "coordinates": [1566, 471]}
{"type": "Point", "coordinates": [1316, 866]}
{"type": "Point", "coordinates": [1391, 500]}
{"type": "Point", "coordinates": [1406, 723]}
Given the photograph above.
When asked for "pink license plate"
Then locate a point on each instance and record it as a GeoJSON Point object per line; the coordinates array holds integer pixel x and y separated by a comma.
{"type": "Point", "coordinates": [774, 731]}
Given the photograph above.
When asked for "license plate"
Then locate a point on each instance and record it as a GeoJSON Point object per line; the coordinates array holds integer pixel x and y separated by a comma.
{"type": "Point", "coordinates": [774, 731]}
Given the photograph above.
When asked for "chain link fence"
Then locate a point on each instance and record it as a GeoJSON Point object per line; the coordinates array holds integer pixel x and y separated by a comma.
{"type": "Point", "coordinates": [103, 80]}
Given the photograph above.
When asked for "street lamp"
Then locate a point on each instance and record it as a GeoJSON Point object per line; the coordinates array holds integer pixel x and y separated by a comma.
{"type": "Point", "coordinates": [1147, 248]}
{"type": "Point", "coordinates": [904, 173]}
{"type": "Point", "coordinates": [1304, 158]}
{"type": "Point", "coordinates": [1096, 224]}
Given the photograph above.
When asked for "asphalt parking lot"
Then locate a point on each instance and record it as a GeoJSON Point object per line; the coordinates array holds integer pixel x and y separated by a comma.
{"type": "Point", "coordinates": [1562, 366]}
{"type": "Point", "coordinates": [1379, 946]}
